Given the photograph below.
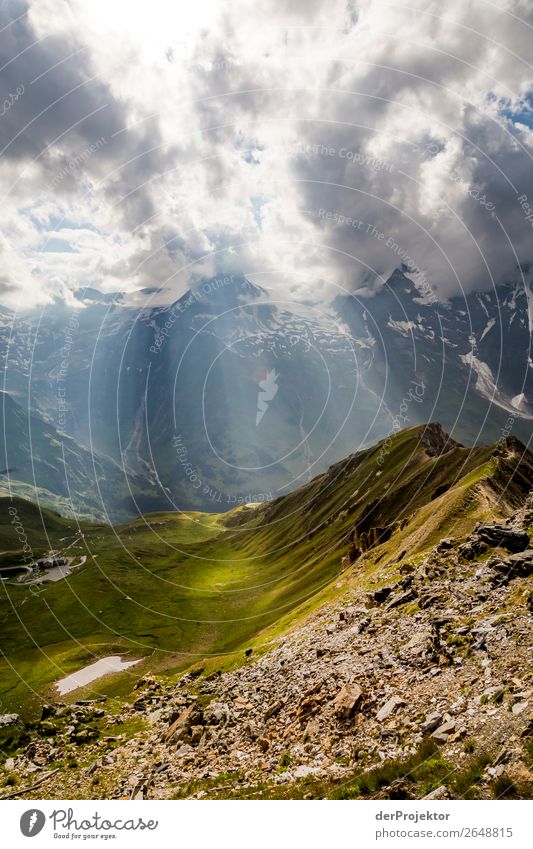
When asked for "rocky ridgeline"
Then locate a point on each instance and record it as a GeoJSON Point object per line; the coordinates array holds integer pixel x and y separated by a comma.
{"type": "Point", "coordinates": [440, 654]}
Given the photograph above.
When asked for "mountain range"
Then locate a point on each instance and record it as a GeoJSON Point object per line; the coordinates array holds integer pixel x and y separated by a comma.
{"type": "Point", "coordinates": [233, 395]}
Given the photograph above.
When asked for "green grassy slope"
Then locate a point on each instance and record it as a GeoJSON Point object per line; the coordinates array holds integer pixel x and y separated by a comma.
{"type": "Point", "coordinates": [175, 588]}
{"type": "Point", "coordinates": [40, 526]}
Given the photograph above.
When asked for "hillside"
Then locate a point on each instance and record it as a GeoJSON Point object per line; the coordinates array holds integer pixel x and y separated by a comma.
{"type": "Point", "coordinates": [300, 584]}
{"type": "Point", "coordinates": [46, 465]}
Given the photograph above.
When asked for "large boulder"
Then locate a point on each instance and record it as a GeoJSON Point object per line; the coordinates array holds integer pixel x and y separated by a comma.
{"type": "Point", "coordinates": [518, 565]}
{"type": "Point", "coordinates": [381, 595]}
{"type": "Point", "coordinates": [84, 735]}
{"type": "Point", "coordinates": [500, 536]}
{"type": "Point", "coordinates": [180, 728]}
{"type": "Point", "coordinates": [347, 700]}
{"type": "Point", "coordinates": [403, 598]}
{"type": "Point", "coordinates": [484, 537]}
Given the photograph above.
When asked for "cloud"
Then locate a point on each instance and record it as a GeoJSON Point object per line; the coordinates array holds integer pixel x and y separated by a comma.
{"type": "Point", "coordinates": [412, 141]}
{"type": "Point", "coordinates": [315, 145]}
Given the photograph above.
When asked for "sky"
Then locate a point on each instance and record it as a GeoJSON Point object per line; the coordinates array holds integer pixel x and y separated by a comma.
{"type": "Point", "coordinates": [313, 145]}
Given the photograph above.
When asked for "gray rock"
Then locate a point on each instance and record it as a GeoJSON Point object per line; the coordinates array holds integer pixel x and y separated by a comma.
{"type": "Point", "coordinates": [432, 721]}
{"type": "Point", "coordinates": [85, 735]}
{"type": "Point", "coordinates": [9, 719]}
{"type": "Point", "coordinates": [499, 536]}
{"type": "Point", "coordinates": [304, 771]}
{"type": "Point", "coordinates": [443, 732]}
{"type": "Point", "coordinates": [439, 793]}
{"type": "Point", "coordinates": [388, 708]}
{"type": "Point", "coordinates": [516, 566]}
{"type": "Point", "coordinates": [403, 598]}
{"type": "Point", "coordinates": [217, 713]}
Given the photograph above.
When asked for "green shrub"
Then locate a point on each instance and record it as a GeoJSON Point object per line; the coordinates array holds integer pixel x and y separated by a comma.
{"type": "Point", "coordinates": [505, 788]}
{"type": "Point", "coordinates": [12, 737]}
{"type": "Point", "coordinates": [464, 782]}
{"type": "Point", "coordinates": [425, 765]}
{"type": "Point", "coordinates": [285, 759]}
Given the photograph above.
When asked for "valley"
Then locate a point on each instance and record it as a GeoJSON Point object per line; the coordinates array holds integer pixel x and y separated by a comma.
{"type": "Point", "coordinates": [379, 551]}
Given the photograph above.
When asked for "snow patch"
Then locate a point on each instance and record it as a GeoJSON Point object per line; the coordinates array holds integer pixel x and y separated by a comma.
{"type": "Point", "coordinates": [490, 324]}
{"type": "Point", "coordinates": [520, 402]}
{"type": "Point", "coordinates": [403, 327]}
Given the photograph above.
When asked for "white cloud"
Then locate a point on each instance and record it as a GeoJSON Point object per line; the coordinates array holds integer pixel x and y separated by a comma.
{"type": "Point", "coordinates": [228, 128]}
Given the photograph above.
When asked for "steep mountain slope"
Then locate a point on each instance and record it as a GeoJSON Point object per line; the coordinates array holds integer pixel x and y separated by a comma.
{"type": "Point", "coordinates": [42, 463]}
{"type": "Point", "coordinates": [472, 354]}
{"type": "Point", "coordinates": [411, 682]}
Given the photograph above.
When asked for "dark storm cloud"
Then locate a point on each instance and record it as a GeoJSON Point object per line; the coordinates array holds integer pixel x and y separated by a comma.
{"type": "Point", "coordinates": [457, 215]}
{"type": "Point", "coordinates": [64, 111]}
{"type": "Point", "coordinates": [439, 177]}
